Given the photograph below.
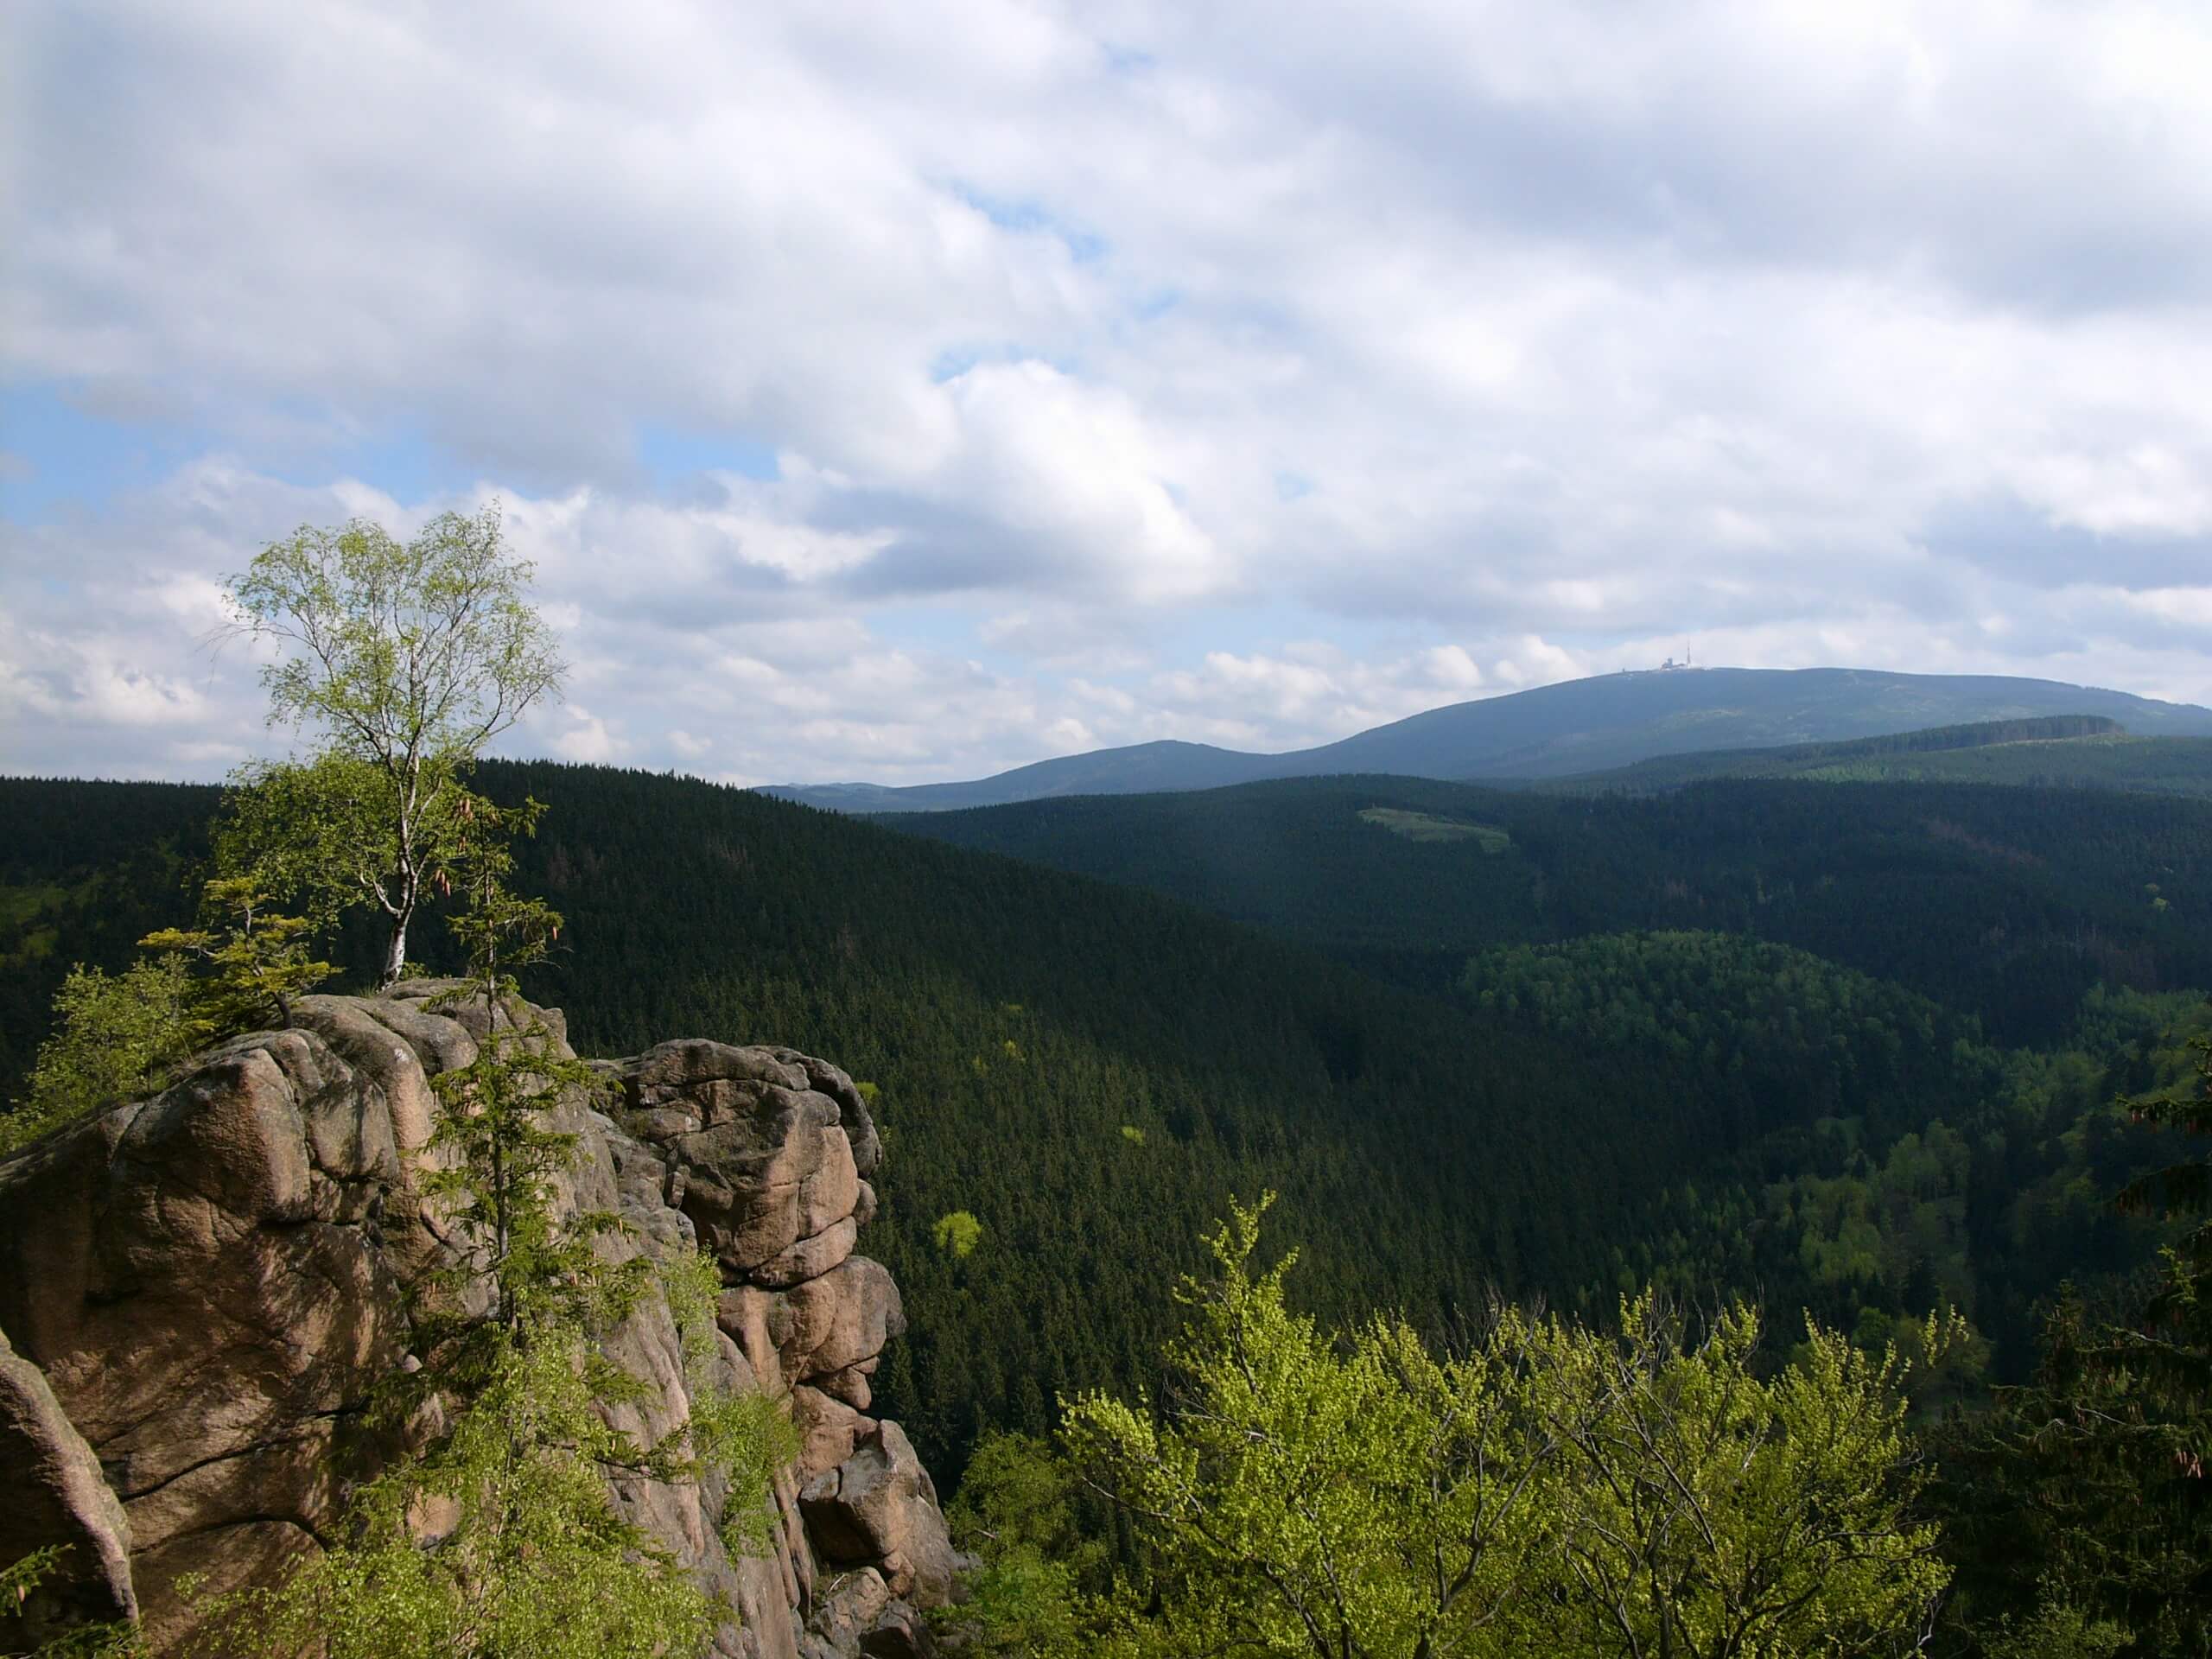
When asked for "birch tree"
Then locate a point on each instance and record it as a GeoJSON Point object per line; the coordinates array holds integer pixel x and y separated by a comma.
{"type": "Point", "coordinates": [404, 659]}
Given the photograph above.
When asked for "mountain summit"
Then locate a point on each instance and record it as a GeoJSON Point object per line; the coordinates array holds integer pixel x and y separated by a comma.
{"type": "Point", "coordinates": [1609, 720]}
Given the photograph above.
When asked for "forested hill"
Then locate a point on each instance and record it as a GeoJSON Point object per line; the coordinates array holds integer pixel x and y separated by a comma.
{"type": "Point", "coordinates": [2005, 904]}
{"type": "Point", "coordinates": [1578, 726]}
{"type": "Point", "coordinates": [2066, 752]}
{"type": "Point", "coordinates": [1092, 1071]}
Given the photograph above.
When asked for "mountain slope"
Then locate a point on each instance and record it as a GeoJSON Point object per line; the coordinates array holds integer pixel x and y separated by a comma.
{"type": "Point", "coordinates": [2004, 903]}
{"type": "Point", "coordinates": [2011, 753]}
{"type": "Point", "coordinates": [1553, 731]}
{"type": "Point", "coordinates": [1139, 769]}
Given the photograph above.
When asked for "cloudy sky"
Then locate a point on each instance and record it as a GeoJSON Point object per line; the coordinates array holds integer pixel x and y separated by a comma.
{"type": "Point", "coordinates": [906, 392]}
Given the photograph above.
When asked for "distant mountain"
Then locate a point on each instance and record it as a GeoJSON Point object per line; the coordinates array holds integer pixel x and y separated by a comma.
{"type": "Point", "coordinates": [1555, 731]}
{"type": "Point", "coordinates": [1140, 769]}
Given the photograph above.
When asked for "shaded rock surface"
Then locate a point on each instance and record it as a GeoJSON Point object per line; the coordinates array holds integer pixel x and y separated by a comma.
{"type": "Point", "coordinates": [202, 1288]}
{"type": "Point", "coordinates": [57, 1496]}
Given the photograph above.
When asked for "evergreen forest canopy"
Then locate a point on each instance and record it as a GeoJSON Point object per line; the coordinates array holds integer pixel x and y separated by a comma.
{"type": "Point", "coordinates": [1733, 1040]}
{"type": "Point", "coordinates": [1712, 1039]}
{"type": "Point", "coordinates": [2005, 904]}
{"type": "Point", "coordinates": [2079, 750]}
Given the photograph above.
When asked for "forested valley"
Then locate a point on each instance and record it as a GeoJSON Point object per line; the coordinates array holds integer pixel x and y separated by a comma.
{"type": "Point", "coordinates": [1860, 1049]}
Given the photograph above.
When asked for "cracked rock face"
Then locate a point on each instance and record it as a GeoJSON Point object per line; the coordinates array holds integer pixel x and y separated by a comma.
{"type": "Point", "coordinates": [202, 1288]}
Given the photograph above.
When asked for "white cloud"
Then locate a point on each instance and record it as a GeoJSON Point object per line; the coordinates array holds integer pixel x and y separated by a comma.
{"type": "Point", "coordinates": [586, 738]}
{"type": "Point", "coordinates": [1106, 354]}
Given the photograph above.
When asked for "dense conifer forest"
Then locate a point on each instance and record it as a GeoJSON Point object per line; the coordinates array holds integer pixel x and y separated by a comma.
{"type": "Point", "coordinates": [2007, 904]}
{"type": "Point", "coordinates": [1854, 1051]}
{"type": "Point", "coordinates": [1727, 1039]}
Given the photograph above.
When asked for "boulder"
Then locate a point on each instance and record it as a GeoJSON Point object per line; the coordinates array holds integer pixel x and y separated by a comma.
{"type": "Point", "coordinates": [841, 1318]}
{"type": "Point", "coordinates": [853, 1114]}
{"type": "Point", "coordinates": [755, 1185]}
{"type": "Point", "coordinates": [689, 1066]}
{"type": "Point", "coordinates": [758, 1165]}
{"type": "Point", "coordinates": [454, 999]}
{"type": "Point", "coordinates": [388, 1060]}
{"type": "Point", "coordinates": [203, 1281]}
{"type": "Point", "coordinates": [879, 1508]}
{"type": "Point", "coordinates": [829, 1430]}
{"type": "Point", "coordinates": [900, 1632]}
{"type": "Point", "coordinates": [854, 1602]}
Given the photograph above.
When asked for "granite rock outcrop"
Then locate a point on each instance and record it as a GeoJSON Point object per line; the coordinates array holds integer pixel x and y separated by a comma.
{"type": "Point", "coordinates": [200, 1288]}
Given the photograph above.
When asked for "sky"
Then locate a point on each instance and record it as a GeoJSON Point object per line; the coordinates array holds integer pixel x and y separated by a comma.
{"type": "Point", "coordinates": [904, 392]}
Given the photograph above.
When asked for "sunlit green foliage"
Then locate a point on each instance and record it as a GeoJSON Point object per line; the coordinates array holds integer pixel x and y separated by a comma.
{"type": "Point", "coordinates": [114, 1037]}
{"type": "Point", "coordinates": [1040, 1591]}
{"type": "Point", "coordinates": [406, 659]}
{"type": "Point", "coordinates": [323, 833]}
{"type": "Point", "coordinates": [1710, 1508]}
{"type": "Point", "coordinates": [255, 959]}
{"type": "Point", "coordinates": [744, 1435]}
{"type": "Point", "coordinates": [500, 1542]}
{"type": "Point", "coordinates": [1544, 1488]}
{"type": "Point", "coordinates": [957, 1233]}
{"type": "Point", "coordinates": [1292, 1497]}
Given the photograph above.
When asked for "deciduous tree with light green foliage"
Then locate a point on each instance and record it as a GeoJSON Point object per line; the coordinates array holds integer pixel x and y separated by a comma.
{"type": "Point", "coordinates": [958, 1234]}
{"type": "Point", "coordinates": [114, 1036]}
{"type": "Point", "coordinates": [405, 658]}
{"type": "Point", "coordinates": [1299, 1497]}
{"type": "Point", "coordinates": [320, 831]}
{"type": "Point", "coordinates": [118, 1036]}
{"type": "Point", "coordinates": [1035, 1595]}
{"type": "Point", "coordinates": [1545, 1488]}
{"type": "Point", "coordinates": [1708, 1510]}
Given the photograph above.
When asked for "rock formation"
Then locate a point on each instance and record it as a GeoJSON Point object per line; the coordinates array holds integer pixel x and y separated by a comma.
{"type": "Point", "coordinates": [202, 1287]}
